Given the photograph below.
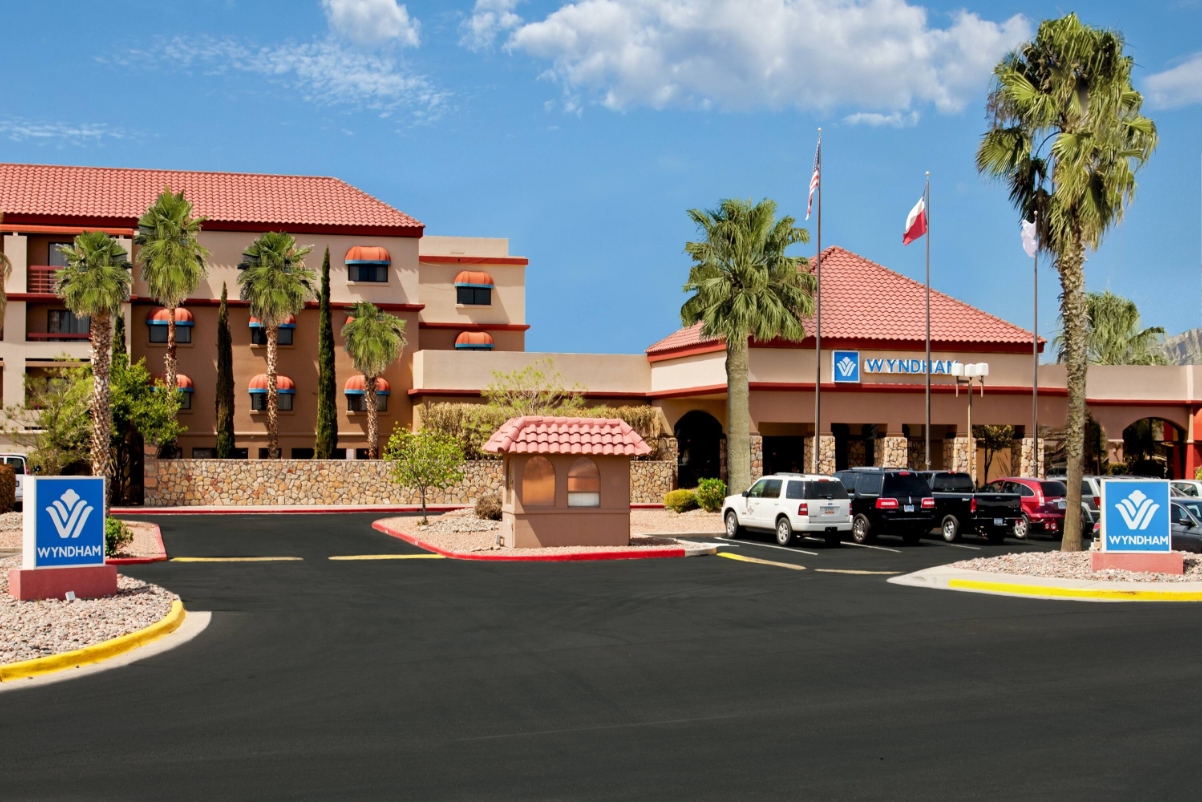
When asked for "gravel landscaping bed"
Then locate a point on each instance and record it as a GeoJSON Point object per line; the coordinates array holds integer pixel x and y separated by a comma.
{"type": "Point", "coordinates": [1073, 565]}
{"type": "Point", "coordinates": [461, 531]}
{"type": "Point", "coordinates": [657, 521]}
{"type": "Point", "coordinates": [30, 629]}
{"type": "Point", "coordinates": [144, 544]}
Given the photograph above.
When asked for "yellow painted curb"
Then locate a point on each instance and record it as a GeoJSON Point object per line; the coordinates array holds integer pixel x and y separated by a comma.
{"type": "Point", "coordinates": [235, 559]}
{"type": "Point", "coordinates": [97, 653]}
{"type": "Point", "coordinates": [390, 557]}
{"type": "Point", "coordinates": [857, 573]}
{"type": "Point", "coordinates": [743, 559]}
{"type": "Point", "coordinates": [1076, 593]}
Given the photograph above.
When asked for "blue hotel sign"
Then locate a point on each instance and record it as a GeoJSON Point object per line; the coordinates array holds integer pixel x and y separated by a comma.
{"type": "Point", "coordinates": [847, 366]}
{"type": "Point", "coordinates": [64, 521]}
{"type": "Point", "coordinates": [1135, 516]}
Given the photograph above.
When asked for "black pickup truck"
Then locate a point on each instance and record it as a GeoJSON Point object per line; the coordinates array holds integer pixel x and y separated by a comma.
{"type": "Point", "coordinates": [960, 508]}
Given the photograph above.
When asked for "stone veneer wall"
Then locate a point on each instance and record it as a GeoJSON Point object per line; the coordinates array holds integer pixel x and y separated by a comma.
{"type": "Point", "coordinates": [757, 457]}
{"type": "Point", "coordinates": [199, 483]}
{"type": "Point", "coordinates": [892, 452]}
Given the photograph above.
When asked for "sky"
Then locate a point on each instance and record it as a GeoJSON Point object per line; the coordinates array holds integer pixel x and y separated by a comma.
{"type": "Point", "coordinates": [583, 131]}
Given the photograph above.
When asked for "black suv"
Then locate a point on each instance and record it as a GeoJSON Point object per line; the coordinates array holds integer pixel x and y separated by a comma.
{"type": "Point", "coordinates": [892, 500]}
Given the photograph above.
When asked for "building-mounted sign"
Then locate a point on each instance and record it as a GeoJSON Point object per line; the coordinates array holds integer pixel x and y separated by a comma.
{"type": "Point", "coordinates": [919, 366]}
{"type": "Point", "coordinates": [845, 366]}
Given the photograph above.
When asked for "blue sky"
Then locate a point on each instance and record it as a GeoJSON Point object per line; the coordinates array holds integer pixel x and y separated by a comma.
{"type": "Point", "coordinates": [583, 131]}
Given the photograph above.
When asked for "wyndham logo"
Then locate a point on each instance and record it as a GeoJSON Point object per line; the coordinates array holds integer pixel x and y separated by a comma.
{"type": "Point", "coordinates": [845, 366]}
{"type": "Point", "coordinates": [1135, 516]}
{"type": "Point", "coordinates": [70, 514]}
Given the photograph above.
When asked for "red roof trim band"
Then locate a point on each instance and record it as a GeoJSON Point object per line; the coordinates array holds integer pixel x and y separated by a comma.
{"type": "Point", "coordinates": [475, 326]}
{"type": "Point", "coordinates": [472, 260]}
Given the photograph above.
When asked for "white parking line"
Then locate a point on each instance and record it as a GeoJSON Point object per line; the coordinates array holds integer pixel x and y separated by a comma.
{"type": "Point", "coordinates": [770, 546]}
{"type": "Point", "coordinates": [955, 545]}
{"type": "Point", "coordinates": [866, 546]}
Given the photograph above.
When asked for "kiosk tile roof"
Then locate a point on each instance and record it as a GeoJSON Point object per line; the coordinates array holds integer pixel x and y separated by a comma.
{"type": "Point", "coordinates": [862, 300]}
{"type": "Point", "coordinates": [536, 434]}
{"type": "Point", "coordinates": [33, 192]}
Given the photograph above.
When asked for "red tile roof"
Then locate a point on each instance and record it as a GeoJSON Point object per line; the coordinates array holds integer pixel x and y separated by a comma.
{"type": "Point", "coordinates": [39, 193]}
{"type": "Point", "coordinates": [535, 434]}
{"type": "Point", "coordinates": [862, 300]}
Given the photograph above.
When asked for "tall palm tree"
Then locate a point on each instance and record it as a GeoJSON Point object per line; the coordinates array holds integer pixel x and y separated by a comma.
{"type": "Point", "coordinates": [1113, 335]}
{"type": "Point", "coordinates": [6, 270]}
{"type": "Point", "coordinates": [276, 284]}
{"type": "Point", "coordinates": [1069, 91]}
{"type": "Point", "coordinates": [374, 340]}
{"type": "Point", "coordinates": [173, 262]}
{"type": "Point", "coordinates": [95, 283]}
{"type": "Point", "coordinates": [745, 286]}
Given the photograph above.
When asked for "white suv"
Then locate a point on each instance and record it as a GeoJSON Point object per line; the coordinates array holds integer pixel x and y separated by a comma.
{"type": "Point", "coordinates": [788, 503]}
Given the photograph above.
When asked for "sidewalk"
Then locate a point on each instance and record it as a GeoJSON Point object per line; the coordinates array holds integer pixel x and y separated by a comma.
{"type": "Point", "coordinates": [1032, 587]}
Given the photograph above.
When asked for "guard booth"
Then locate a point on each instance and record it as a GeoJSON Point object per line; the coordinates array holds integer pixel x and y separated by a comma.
{"type": "Point", "coordinates": [567, 480]}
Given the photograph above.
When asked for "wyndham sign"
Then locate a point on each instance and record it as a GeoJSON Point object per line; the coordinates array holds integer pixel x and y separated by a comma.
{"type": "Point", "coordinates": [1136, 516]}
{"type": "Point", "coordinates": [846, 366]}
{"type": "Point", "coordinates": [64, 521]}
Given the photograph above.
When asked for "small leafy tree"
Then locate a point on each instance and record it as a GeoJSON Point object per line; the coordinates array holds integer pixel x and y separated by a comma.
{"type": "Point", "coordinates": [327, 382]}
{"type": "Point", "coordinates": [54, 425]}
{"type": "Point", "coordinates": [424, 461]}
{"type": "Point", "coordinates": [537, 389]}
{"type": "Point", "coordinates": [225, 381]}
{"type": "Point", "coordinates": [994, 439]}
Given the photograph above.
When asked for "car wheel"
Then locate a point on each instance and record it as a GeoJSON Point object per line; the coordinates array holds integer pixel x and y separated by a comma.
{"type": "Point", "coordinates": [1022, 528]}
{"type": "Point", "coordinates": [861, 530]}
{"type": "Point", "coordinates": [912, 537]}
{"type": "Point", "coordinates": [950, 529]}
{"type": "Point", "coordinates": [733, 529]}
{"type": "Point", "coordinates": [784, 531]}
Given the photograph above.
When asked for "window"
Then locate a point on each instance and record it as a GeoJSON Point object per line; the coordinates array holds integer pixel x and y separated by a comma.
{"type": "Point", "coordinates": [63, 321]}
{"type": "Point", "coordinates": [538, 483]}
{"type": "Point", "coordinates": [362, 453]}
{"type": "Point", "coordinates": [358, 403]}
{"type": "Point", "coordinates": [1021, 489]}
{"type": "Point", "coordinates": [584, 484]}
{"type": "Point", "coordinates": [772, 488]}
{"type": "Point", "coordinates": [473, 296]}
{"type": "Point", "coordinates": [17, 464]}
{"type": "Point", "coordinates": [952, 483]}
{"type": "Point", "coordinates": [870, 484]}
{"type": "Point", "coordinates": [1182, 516]}
{"type": "Point", "coordinates": [204, 453]}
{"type": "Point", "coordinates": [367, 272]}
{"type": "Point", "coordinates": [158, 334]}
{"type": "Point", "coordinates": [848, 478]}
{"type": "Point", "coordinates": [55, 257]}
{"type": "Point", "coordinates": [240, 453]}
{"type": "Point", "coordinates": [258, 336]}
{"type": "Point", "coordinates": [258, 402]}
{"type": "Point", "coordinates": [906, 484]}
{"type": "Point", "coordinates": [185, 400]}
{"type": "Point", "coordinates": [303, 453]}
{"type": "Point", "coordinates": [1053, 489]}
{"type": "Point", "coordinates": [798, 491]}
{"type": "Point", "coordinates": [757, 489]}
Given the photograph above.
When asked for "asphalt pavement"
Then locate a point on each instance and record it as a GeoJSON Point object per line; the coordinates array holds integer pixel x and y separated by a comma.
{"type": "Point", "coordinates": [694, 679]}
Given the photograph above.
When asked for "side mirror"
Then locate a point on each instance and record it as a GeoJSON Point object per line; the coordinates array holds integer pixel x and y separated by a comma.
{"type": "Point", "coordinates": [746, 493]}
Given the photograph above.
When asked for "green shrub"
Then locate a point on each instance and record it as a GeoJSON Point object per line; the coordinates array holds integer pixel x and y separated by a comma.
{"type": "Point", "coordinates": [488, 508]}
{"type": "Point", "coordinates": [117, 535]}
{"type": "Point", "coordinates": [681, 500]}
{"type": "Point", "coordinates": [710, 494]}
{"type": "Point", "coordinates": [8, 488]}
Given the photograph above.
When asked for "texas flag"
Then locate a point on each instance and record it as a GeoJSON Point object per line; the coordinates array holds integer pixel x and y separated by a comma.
{"type": "Point", "coordinates": [916, 223]}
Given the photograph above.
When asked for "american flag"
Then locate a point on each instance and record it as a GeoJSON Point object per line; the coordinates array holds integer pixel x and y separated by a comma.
{"type": "Point", "coordinates": [814, 179]}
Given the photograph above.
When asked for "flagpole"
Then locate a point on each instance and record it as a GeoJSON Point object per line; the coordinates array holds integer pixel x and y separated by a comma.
{"type": "Point", "coordinates": [1035, 363]}
{"type": "Point", "coordinates": [818, 326]}
{"type": "Point", "coordinates": [927, 428]}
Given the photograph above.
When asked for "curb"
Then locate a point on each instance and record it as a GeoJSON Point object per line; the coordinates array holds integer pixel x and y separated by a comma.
{"type": "Point", "coordinates": [1047, 591]}
{"type": "Point", "coordinates": [98, 652]}
{"type": "Point", "coordinates": [1021, 586]}
{"type": "Point", "coordinates": [162, 555]}
{"type": "Point", "coordinates": [645, 554]}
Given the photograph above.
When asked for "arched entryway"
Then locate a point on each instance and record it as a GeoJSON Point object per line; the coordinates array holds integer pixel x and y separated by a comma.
{"type": "Point", "coordinates": [699, 437]}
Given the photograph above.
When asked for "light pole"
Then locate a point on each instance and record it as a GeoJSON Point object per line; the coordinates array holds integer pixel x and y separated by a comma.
{"type": "Point", "coordinates": [964, 374]}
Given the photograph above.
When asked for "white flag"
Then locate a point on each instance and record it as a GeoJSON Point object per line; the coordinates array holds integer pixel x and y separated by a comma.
{"type": "Point", "coordinates": [1029, 238]}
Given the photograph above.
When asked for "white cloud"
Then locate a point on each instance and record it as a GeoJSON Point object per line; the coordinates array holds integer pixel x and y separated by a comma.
{"type": "Point", "coordinates": [372, 21]}
{"type": "Point", "coordinates": [1176, 87]}
{"type": "Point", "coordinates": [19, 129]}
{"type": "Point", "coordinates": [323, 72]}
{"type": "Point", "coordinates": [741, 54]}
{"type": "Point", "coordinates": [896, 120]}
{"type": "Point", "coordinates": [489, 18]}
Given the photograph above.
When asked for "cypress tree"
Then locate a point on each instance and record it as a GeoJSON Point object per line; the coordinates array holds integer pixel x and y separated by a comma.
{"type": "Point", "coordinates": [225, 381]}
{"type": "Point", "coordinates": [119, 336]}
{"type": "Point", "coordinates": [327, 389]}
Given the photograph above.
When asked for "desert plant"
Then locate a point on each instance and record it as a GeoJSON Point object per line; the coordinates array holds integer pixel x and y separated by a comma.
{"type": "Point", "coordinates": [424, 461]}
{"type": "Point", "coordinates": [680, 500]}
{"type": "Point", "coordinates": [8, 489]}
{"type": "Point", "coordinates": [744, 286]}
{"type": "Point", "coordinates": [710, 494]}
{"type": "Point", "coordinates": [117, 535]}
{"type": "Point", "coordinates": [488, 507]}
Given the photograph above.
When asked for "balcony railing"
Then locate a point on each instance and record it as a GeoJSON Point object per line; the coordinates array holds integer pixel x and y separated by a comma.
{"type": "Point", "coordinates": [42, 280]}
{"type": "Point", "coordinates": [55, 337]}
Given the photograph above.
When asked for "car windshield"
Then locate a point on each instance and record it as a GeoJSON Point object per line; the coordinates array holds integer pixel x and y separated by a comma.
{"type": "Point", "coordinates": [1053, 489]}
{"type": "Point", "coordinates": [905, 484]}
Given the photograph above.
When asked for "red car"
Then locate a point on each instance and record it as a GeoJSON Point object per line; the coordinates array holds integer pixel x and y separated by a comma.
{"type": "Point", "coordinates": [1042, 502]}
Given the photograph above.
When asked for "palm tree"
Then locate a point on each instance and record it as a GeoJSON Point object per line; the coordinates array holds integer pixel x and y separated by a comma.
{"type": "Point", "coordinates": [173, 262]}
{"type": "Point", "coordinates": [1113, 335]}
{"type": "Point", "coordinates": [6, 270]}
{"type": "Point", "coordinates": [95, 283]}
{"type": "Point", "coordinates": [1068, 90]}
{"type": "Point", "coordinates": [276, 284]}
{"type": "Point", "coordinates": [745, 286]}
{"type": "Point", "coordinates": [374, 340]}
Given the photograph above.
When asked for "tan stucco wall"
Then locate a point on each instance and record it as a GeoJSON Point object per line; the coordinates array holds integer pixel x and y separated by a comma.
{"type": "Point", "coordinates": [444, 339]}
{"type": "Point", "coordinates": [434, 245]}
{"type": "Point", "coordinates": [508, 296]}
{"type": "Point", "coordinates": [472, 370]}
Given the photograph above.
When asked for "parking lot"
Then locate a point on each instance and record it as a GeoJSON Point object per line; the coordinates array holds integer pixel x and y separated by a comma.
{"type": "Point", "coordinates": [699, 678]}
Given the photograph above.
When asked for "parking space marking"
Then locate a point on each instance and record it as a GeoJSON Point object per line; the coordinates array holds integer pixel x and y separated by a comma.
{"type": "Point", "coordinates": [235, 559]}
{"type": "Point", "coordinates": [955, 545]}
{"type": "Point", "coordinates": [745, 559]}
{"type": "Point", "coordinates": [770, 546]}
{"type": "Point", "coordinates": [859, 573]}
{"type": "Point", "coordinates": [866, 546]}
{"type": "Point", "coordinates": [389, 557]}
